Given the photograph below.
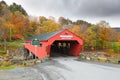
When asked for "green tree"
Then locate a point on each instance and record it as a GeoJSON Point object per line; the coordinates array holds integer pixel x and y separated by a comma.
{"type": "Point", "coordinates": [15, 7]}
{"type": "Point", "coordinates": [91, 37]}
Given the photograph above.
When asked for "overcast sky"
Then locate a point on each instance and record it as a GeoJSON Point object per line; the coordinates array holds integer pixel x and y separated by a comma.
{"type": "Point", "coordinates": [92, 11]}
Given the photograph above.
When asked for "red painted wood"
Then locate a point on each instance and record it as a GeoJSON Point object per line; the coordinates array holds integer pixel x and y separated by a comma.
{"type": "Point", "coordinates": [65, 35]}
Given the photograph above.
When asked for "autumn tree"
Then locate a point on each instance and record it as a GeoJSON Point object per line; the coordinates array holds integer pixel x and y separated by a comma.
{"type": "Point", "coordinates": [91, 37]}
{"type": "Point", "coordinates": [103, 34]}
{"type": "Point", "coordinates": [3, 8]}
{"type": "Point", "coordinates": [15, 7]}
{"type": "Point", "coordinates": [14, 22]}
{"type": "Point", "coordinates": [50, 26]}
{"type": "Point", "coordinates": [4, 12]}
{"type": "Point", "coordinates": [42, 19]}
{"type": "Point", "coordinates": [20, 24]}
{"type": "Point", "coordinates": [83, 25]}
{"type": "Point", "coordinates": [114, 35]}
{"type": "Point", "coordinates": [75, 29]}
{"type": "Point", "coordinates": [37, 25]}
{"type": "Point", "coordinates": [63, 21]}
{"type": "Point", "coordinates": [4, 19]}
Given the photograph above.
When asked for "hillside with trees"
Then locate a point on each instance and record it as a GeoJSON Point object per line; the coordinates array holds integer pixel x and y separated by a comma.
{"type": "Point", "coordinates": [16, 24]}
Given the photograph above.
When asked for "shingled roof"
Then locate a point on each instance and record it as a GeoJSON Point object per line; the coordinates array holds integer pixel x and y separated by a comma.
{"type": "Point", "coordinates": [44, 36]}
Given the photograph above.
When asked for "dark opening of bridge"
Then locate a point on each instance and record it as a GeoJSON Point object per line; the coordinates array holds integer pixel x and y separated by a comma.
{"type": "Point", "coordinates": [62, 48]}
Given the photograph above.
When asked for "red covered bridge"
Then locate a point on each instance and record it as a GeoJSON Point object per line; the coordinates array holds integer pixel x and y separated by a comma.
{"type": "Point", "coordinates": [59, 42]}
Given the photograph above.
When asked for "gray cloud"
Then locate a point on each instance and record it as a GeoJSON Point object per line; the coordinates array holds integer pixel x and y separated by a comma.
{"type": "Point", "coordinates": [77, 9]}
{"type": "Point", "coordinates": [100, 8]}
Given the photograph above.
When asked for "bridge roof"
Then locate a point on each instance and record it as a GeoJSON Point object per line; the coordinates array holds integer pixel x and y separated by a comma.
{"type": "Point", "coordinates": [45, 36]}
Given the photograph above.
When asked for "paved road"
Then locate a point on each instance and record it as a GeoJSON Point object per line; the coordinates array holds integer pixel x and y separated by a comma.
{"type": "Point", "coordinates": [64, 69]}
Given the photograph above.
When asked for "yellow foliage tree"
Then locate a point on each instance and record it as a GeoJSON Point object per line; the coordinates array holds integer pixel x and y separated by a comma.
{"type": "Point", "coordinates": [50, 26]}
{"type": "Point", "coordinates": [75, 29]}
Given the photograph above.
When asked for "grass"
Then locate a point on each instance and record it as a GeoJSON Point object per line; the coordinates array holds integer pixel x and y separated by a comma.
{"type": "Point", "coordinates": [12, 66]}
{"type": "Point", "coordinates": [8, 67]}
{"type": "Point", "coordinates": [15, 44]}
{"type": "Point", "coordinates": [10, 45]}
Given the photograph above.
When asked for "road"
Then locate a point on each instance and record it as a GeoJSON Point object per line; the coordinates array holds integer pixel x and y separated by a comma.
{"type": "Point", "coordinates": [64, 68]}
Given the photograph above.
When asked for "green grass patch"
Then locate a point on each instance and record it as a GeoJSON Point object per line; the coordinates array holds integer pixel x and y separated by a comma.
{"type": "Point", "coordinates": [15, 44]}
{"type": "Point", "coordinates": [10, 46]}
{"type": "Point", "coordinates": [8, 67]}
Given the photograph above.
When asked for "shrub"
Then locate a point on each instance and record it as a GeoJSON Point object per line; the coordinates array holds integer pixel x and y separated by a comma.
{"type": "Point", "coordinates": [6, 63]}
{"type": "Point", "coordinates": [115, 46]}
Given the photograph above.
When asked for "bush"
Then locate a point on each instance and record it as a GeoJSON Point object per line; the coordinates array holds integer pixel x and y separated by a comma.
{"type": "Point", "coordinates": [115, 46]}
{"type": "Point", "coordinates": [2, 52]}
{"type": "Point", "coordinates": [6, 63]}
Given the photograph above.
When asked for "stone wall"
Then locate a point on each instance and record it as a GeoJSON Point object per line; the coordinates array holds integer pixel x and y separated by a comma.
{"type": "Point", "coordinates": [17, 54]}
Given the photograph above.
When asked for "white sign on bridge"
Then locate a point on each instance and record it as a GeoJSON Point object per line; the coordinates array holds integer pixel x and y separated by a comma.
{"type": "Point", "coordinates": [66, 36]}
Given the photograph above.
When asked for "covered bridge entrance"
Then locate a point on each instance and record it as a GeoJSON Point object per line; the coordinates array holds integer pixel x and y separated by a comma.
{"type": "Point", "coordinates": [61, 43]}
